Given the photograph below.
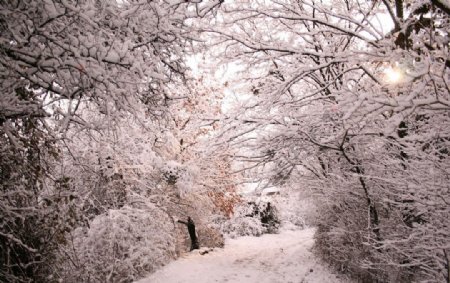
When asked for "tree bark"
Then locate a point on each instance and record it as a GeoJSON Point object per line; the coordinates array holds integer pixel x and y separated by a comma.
{"type": "Point", "coordinates": [399, 9]}
{"type": "Point", "coordinates": [191, 229]}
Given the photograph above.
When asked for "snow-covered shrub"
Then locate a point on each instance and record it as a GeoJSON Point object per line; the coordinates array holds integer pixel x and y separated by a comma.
{"type": "Point", "coordinates": [120, 246]}
{"type": "Point", "coordinates": [269, 216]}
{"type": "Point", "coordinates": [337, 241]}
{"type": "Point", "coordinates": [252, 219]}
{"type": "Point", "coordinates": [243, 226]}
{"type": "Point", "coordinates": [210, 237]}
{"type": "Point", "coordinates": [33, 218]}
{"type": "Point", "coordinates": [399, 236]}
{"type": "Point", "coordinates": [266, 212]}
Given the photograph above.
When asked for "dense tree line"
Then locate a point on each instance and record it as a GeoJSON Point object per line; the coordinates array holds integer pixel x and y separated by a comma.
{"type": "Point", "coordinates": [102, 130]}
{"type": "Point", "coordinates": [349, 99]}
{"type": "Point", "coordinates": [87, 134]}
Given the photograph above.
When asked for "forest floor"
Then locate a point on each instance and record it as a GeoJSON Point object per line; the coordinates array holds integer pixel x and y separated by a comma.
{"type": "Point", "coordinates": [284, 257]}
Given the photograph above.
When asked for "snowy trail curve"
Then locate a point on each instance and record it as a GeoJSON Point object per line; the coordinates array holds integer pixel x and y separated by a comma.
{"type": "Point", "coordinates": [284, 257]}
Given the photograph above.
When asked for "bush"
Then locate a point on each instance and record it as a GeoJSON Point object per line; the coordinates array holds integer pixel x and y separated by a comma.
{"type": "Point", "coordinates": [210, 237]}
{"type": "Point", "coordinates": [243, 226]}
{"type": "Point", "coordinates": [252, 219]}
{"type": "Point", "coordinates": [394, 251]}
{"type": "Point", "coordinates": [341, 235]}
{"type": "Point", "coordinates": [120, 246]}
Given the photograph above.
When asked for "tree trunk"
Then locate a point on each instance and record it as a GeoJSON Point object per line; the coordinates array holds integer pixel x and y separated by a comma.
{"type": "Point", "coordinates": [191, 229]}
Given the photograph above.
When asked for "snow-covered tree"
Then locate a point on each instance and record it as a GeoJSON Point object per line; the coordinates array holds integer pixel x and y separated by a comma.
{"type": "Point", "coordinates": [107, 54]}
{"type": "Point", "coordinates": [196, 122]}
{"type": "Point", "coordinates": [142, 162]}
{"type": "Point", "coordinates": [67, 67]}
{"type": "Point", "coordinates": [32, 222]}
{"type": "Point", "coordinates": [354, 97]}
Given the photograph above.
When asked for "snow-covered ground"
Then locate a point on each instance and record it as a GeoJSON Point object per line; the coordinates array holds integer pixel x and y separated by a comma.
{"type": "Point", "coordinates": [284, 257]}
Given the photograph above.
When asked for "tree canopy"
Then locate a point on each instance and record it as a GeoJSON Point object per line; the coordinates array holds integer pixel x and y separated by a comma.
{"type": "Point", "coordinates": [102, 121]}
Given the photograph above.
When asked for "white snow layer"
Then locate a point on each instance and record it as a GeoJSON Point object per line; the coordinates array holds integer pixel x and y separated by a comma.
{"type": "Point", "coordinates": [284, 257]}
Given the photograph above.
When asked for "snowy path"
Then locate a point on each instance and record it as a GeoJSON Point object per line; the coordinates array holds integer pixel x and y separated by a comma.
{"type": "Point", "coordinates": [284, 257]}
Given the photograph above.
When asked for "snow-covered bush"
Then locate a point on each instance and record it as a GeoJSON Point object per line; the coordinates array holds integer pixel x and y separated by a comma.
{"type": "Point", "coordinates": [243, 226]}
{"type": "Point", "coordinates": [120, 246]}
{"type": "Point", "coordinates": [33, 219]}
{"type": "Point", "coordinates": [252, 219]}
{"type": "Point", "coordinates": [337, 239]}
{"type": "Point", "coordinates": [210, 237]}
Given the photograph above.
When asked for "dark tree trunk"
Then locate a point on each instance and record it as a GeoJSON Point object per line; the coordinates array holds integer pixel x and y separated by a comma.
{"type": "Point", "coordinates": [399, 9]}
{"type": "Point", "coordinates": [191, 229]}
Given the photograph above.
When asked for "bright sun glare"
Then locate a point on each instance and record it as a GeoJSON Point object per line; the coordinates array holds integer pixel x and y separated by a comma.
{"type": "Point", "coordinates": [393, 75]}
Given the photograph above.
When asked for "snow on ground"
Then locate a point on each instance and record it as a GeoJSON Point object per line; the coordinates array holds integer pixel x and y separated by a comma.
{"type": "Point", "coordinates": [284, 257]}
